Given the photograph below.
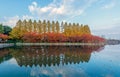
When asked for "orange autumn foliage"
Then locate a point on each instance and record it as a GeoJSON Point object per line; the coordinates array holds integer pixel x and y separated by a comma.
{"type": "Point", "coordinates": [31, 37]}
{"type": "Point", "coordinates": [52, 37]}
{"type": "Point", "coordinates": [92, 39]}
{"type": "Point", "coordinates": [55, 37]}
{"type": "Point", "coordinates": [3, 37]}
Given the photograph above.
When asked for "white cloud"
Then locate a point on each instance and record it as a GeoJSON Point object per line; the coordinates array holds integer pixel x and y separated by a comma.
{"type": "Point", "coordinates": [13, 61]}
{"type": "Point", "coordinates": [34, 3]}
{"type": "Point", "coordinates": [63, 9]}
{"type": "Point", "coordinates": [109, 5]}
{"type": "Point", "coordinates": [11, 21]}
{"type": "Point", "coordinates": [60, 10]}
{"type": "Point", "coordinates": [32, 7]}
{"type": "Point", "coordinates": [26, 17]}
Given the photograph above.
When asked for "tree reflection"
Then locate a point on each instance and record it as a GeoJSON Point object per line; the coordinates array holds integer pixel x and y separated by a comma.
{"type": "Point", "coordinates": [4, 55]}
{"type": "Point", "coordinates": [53, 55]}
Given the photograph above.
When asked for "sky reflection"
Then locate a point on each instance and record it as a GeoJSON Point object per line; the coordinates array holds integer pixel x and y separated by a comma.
{"type": "Point", "coordinates": [104, 63]}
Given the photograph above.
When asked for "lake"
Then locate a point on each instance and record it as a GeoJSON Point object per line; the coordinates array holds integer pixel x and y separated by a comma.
{"type": "Point", "coordinates": [60, 61]}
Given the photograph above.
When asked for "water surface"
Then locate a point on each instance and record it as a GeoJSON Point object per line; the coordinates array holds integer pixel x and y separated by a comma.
{"type": "Point", "coordinates": [60, 61]}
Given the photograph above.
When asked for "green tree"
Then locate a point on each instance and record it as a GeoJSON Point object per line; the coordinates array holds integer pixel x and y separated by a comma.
{"type": "Point", "coordinates": [7, 30]}
{"type": "Point", "coordinates": [1, 28]}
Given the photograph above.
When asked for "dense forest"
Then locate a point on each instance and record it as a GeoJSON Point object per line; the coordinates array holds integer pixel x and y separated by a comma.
{"type": "Point", "coordinates": [52, 31]}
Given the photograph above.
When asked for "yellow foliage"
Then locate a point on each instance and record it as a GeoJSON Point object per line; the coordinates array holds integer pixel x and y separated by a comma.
{"type": "Point", "coordinates": [47, 26]}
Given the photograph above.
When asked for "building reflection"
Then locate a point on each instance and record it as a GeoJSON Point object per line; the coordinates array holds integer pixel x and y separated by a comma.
{"type": "Point", "coordinates": [53, 55]}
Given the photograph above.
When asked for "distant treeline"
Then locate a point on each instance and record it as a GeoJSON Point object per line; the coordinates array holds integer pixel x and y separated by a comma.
{"type": "Point", "coordinates": [112, 42]}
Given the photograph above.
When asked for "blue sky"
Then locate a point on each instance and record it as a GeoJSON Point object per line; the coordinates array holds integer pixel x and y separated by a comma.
{"type": "Point", "coordinates": [98, 14]}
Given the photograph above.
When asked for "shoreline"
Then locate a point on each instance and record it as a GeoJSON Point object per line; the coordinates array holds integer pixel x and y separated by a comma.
{"type": "Point", "coordinates": [58, 44]}
{"type": "Point", "coordinates": [4, 45]}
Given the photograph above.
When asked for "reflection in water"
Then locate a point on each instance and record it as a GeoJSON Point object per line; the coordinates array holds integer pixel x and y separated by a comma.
{"type": "Point", "coordinates": [4, 55]}
{"type": "Point", "coordinates": [60, 61]}
{"type": "Point", "coordinates": [49, 55]}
